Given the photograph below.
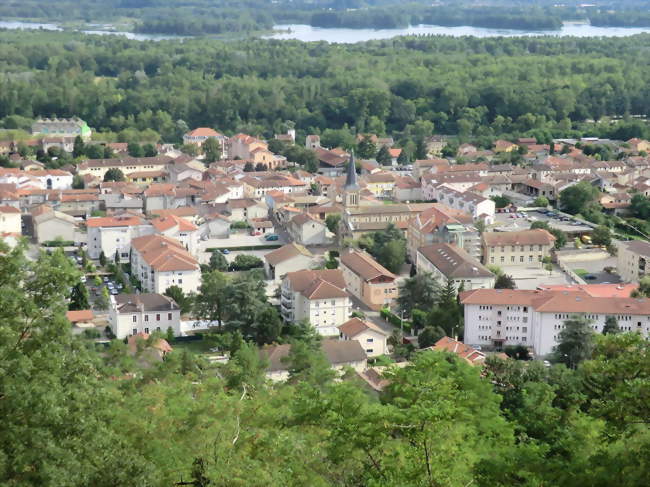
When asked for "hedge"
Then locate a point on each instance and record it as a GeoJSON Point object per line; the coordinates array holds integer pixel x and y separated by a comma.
{"type": "Point", "coordinates": [58, 243]}
{"type": "Point", "coordinates": [248, 247]}
{"type": "Point", "coordinates": [393, 319]}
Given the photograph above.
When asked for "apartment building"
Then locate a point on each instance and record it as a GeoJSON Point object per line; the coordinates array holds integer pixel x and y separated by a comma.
{"type": "Point", "coordinates": [495, 318]}
{"type": "Point", "coordinates": [524, 248]}
{"type": "Point", "coordinates": [633, 260]}
{"type": "Point", "coordinates": [130, 314]}
{"type": "Point", "coordinates": [368, 280]}
{"type": "Point", "coordinates": [111, 234]}
{"type": "Point", "coordinates": [318, 296]}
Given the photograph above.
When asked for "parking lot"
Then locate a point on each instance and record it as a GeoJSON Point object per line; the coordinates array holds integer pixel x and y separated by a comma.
{"type": "Point", "coordinates": [523, 220]}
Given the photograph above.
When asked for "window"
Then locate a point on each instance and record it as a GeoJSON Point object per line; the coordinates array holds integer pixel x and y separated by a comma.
{"type": "Point", "coordinates": [512, 259]}
{"type": "Point", "coordinates": [169, 316]}
{"type": "Point", "coordinates": [503, 259]}
{"type": "Point", "coordinates": [530, 258]}
{"type": "Point", "coordinates": [369, 340]}
{"type": "Point", "coordinates": [146, 330]}
{"type": "Point", "coordinates": [157, 317]}
{"type": "Point", "coordinates": [146, 317]}
{"type": "Point", "coordinates": [521, 258]}
{"type": "Point", "coordinates": [157, 328]}
{"type": "Point", "coordinates": [180, 281]}
{"type": "Point", "coordinates": [135, 331]}
{"type": "Point", "coordinates": [491, 260]}
{"type": "Point", "coordinates": [369, 350]}
{"type": "Point", "coordinates": [135, 319]}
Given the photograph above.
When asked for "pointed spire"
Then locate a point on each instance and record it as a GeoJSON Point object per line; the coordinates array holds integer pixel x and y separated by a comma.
{"type": "Point", "coordinates": [351, 179]}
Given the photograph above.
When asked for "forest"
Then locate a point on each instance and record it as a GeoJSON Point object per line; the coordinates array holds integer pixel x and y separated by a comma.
{"type": "Point", "coordinates": [76, 413]}
{"type": "Point", "coordinates": [232, 17]}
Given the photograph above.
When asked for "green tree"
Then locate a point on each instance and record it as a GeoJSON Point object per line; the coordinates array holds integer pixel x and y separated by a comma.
{"type": "Point", "coordinates": [78, 149]}
{"type": "Point", "coordinates": [149, 150]}
{"type": "Point", "coordinates": [501, 201]}
{"type": "Point", "coordinates": [190, 149]}
{"type": "Point", "coordinates": [601, 235]}
{"type": "Point", "coordinates": [183, 301]}
{"type": "Point", "coordinates": [578, 198]}
{"type": "Point", "coordinates": [403, 159]}
{"type": "Point", "coordinates": [79, 297]}
{"type": "Point", "coordinates": [135, 150]}
{"type": "Point", "coordinates": [366, 148]}
{"type": "Point", "coordinates": [210, 299]}
{"type": "Point", "coordinates": [218, 262]}
{"type": "Point", "coordinates": [575, 342]}
{"type": "Point", "coordinates": [560, 236]}
{"type": "Point", "coordinates": [268, 326]}
{"type": "Point", "coordinates": [212, 150]}
{"type": "Point", "coordinates": [541, 201]}
{"type": "Point", "coordinates": [392, 255]}
{"type": "Point", "coordinates": [114, 174]}
{"type": "Point", "coordinates": [504, 281]}
{"type": "Point", "coordinates": [429, 336]}
{"type": "Point", "coordinates": [611, 326]}
{"type": "Point", "coordinates": [102, 259]}
{"type": "Point", "coordinates": [246, 367]}
{"type": "Point", "coordinates": [417, 292]}
{"type": "Point", "coordinates": [78, 182]}
{"type": "Point", "coordinates": [383, 156]}
{"type": "Point", "coordinates": [244, 262]}
{"type": "Point", "coordinates": [332, 222]}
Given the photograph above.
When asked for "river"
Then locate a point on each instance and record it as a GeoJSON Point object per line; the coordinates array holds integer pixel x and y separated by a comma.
{"type": "Point", "coordinates": [348, 36]}
{"type": "Point", "coordinates": [308, 33]}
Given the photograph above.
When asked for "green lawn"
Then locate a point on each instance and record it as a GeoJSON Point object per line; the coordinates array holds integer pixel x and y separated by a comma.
{"type": "Point", "coordinates": [581, 272]}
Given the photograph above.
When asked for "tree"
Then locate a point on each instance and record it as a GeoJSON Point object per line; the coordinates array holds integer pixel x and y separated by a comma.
{"type": "Point", "coordinates": [78, 149]}
{"type": "Point", "coordinates": [332, 222]}
{"type": "Point", "coordinates": [560, 236]}
{"type": "Point", "coordinates": [95, 151]}
{"type": "Point", "coordinates": [244, 262]}
{"type": "Point", "coordinates": [383, 156]}
{"type": "Point", "coordinates": [184, 302]}
{"type": "Point", "coordinates": [218, 262]}
{"type": "Point", "coordinates": [249, 167]}
{"type": "Point", "coordinates": [500, 201]}
{"type": "Point", "coordinates": [149, 150]}
{"type": "Point", "coordinates": [403, 158]}
{"type": "Point", "coordinates": [78, 182]}
{"type": "Point", "coordinates": [429, 336]}
{"type": "Point", "coordinates": [611, 326]}
{"type": "Point", "coordinates": [210, 299]}
{"type": "Point", "coordinates": [366, 148]}
{"type": "Point", "coordinates": [541, 201]}
{"type": "Point", "coordinates": [268, 326]}
{"type": "Point", "coordinates": [79, 297]}
{"type": "Point", "coordinates": [102, 259]}
{"type": "Point", "coordinates": [212, 150]}
{"type": "Point", "coordinates": [114, 174]}
{"type": "Point", "coordinates": [260, 166]}
{"type": "Point", "coordinates": [601, 235]}
{"type": "Point", "coordinates": [575, 342]}
{"type": "Point", "coordinates": [417, 292]}
{"type": "Point", "coordinates": [579, 197]}
{"type": "Point", "coordinates": [116, 258]}
{"type": "Point", "coordinates": [190, 149]}
{"type": "Point", "coordinates": [246, 368]}
{"type": "Point", "coordinates": [135, 150]}
{"type": "Point", "coordinates": [504, 281]}
{"type": "Point", "coordinates": [392, 255]}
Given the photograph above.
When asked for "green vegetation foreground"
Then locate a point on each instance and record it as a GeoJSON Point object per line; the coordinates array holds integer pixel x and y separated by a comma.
{"type": "Point", "coordinates": [74, 416]}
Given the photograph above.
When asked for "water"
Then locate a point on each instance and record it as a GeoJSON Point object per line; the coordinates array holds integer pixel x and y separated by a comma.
{"type": "Point", "coordinates": [28, 25]}
{"type": "Point", "coordinates": [308, 33]}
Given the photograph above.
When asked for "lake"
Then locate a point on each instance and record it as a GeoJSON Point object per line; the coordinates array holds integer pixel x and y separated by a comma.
{"type": "Point", "coordinates": [129, 35]}
{"type": "Point", "coordinates": [308, 33]}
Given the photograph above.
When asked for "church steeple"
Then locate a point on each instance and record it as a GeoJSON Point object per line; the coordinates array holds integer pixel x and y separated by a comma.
{"type": "Point", "coordinates": [351, 188]}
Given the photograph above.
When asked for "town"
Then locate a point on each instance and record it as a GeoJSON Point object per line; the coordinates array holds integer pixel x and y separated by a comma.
{"type": "Point", "coordinates": [349, 246]}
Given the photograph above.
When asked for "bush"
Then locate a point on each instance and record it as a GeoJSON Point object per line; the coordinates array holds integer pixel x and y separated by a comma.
{"type": "Point", "coordinates": [245, 262]}
{"type": "Point", "coordinates": [91, 333]}
{"type": "Point", "coordinates": [239, 225]}
{"type": "Point", "coordinates": [393, 319]}
{"type": "Point", "coordinates": [58, 243]}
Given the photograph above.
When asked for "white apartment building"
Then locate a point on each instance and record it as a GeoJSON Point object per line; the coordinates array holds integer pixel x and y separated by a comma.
{"type": "Point", "coordinates": [108, 234]}
{"type": "Point", "coordinates": [479, 207]}
{"type": "Point", "coordinates": [130, 314]}
{"type": "Point", "coordinates": [318, 296]}
{"type": "Point", "coordinates": [180, 229]}
{"type": "Point", "coordinates": [495, 318]}
{"type": "Point", "coordinates": [160, 262]}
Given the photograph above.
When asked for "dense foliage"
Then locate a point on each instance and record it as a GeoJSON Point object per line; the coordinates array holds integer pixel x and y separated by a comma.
{"type": "Point", "coordinates": [406, 87]}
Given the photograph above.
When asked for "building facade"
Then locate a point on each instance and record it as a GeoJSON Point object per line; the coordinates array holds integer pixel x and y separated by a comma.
{"type": "Point", "coordinates": [633, 260]}
{"type": "Point", "coordinates": [525, 248]}
{"type": "Point", "coordinates": [450, 263]}
{"type": "Point", "coordinates": [131, 314]}
{"type": "Point", "coordinates": [368, 281]}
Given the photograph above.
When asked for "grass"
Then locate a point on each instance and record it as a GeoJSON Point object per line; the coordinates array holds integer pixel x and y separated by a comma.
{"type": "Point", "coordinates": [581, 272]}
{"type": "Point", "coordinates": [197, 347]}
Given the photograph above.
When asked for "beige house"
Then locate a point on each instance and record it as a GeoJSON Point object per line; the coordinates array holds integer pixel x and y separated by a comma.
{"type": "Point", "coordinates": [10, 222]}
{"type": "Point", "coordinates": [307, 230]}
{"type": "Point", "coordinates": [368, 281]}
{"type": "Point", "coordinates": [340, 354]}
{"type": "Point", "coordinates": [523, 248]}
{"type": "Point", "coordinates": [130, 314]}
{"type": "Point", "coordinates": [318, 296]}
{"type": "Point", "coordinates": [50, 225]}
{"type": "Point", "coordinates": [160, 262]}
{"type": "Point", "coordinates": [633, 260]}
{"type": "Point", "coordinates": [288, 258]}
{"type": "Point", "coordinates": [450, 263]}
{"type": "Point", "coordinates": [371, 338]}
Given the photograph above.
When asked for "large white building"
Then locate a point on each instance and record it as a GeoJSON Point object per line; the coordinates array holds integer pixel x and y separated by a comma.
{"type": "Point", "coordinates": [110, 234]}
{"type": "Point", "coordinates": [161, 262]}
{"type": "Point", "coordinates": [318, 296]}
{"type": "Point", "coordinates": [479, 207]}
{"type": "Point", "coordinates": [130, 314]}
{"type": "Point", "coordinates": [495, 318]}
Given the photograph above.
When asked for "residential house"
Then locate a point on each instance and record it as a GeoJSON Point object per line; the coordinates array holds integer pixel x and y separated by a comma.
{"type": "Point", "coordinates": [340, 354]}
{"type": "Point", "coordinates": [504, 146]}
{"type": "Point", "coordinates": [50, 224]}
{"type": "Point", "coordinates": [132, 314]}
{"type": "Point", "coordinates": [523, 248]}
{"type": "Point", "coordinates": [41, 179]}
{"type": "Point", "coordinates": [10, 222]}
{"type": "Point", "coordinates": [380, 184]}
{"type": "Point", "coordinates": [215, 225]}
{"type": "Point", "coordinates": [160, 262]}
{"type": "Point", "coordinates": [371, 338]}
{"type": "Point", "coordinates": [633, 260]}
{"type": "Point", "coordinates": [368, 281]}
{"type": "Point", "coordinates": [464, 352]}
{"type": "Point", "coordinates": [179, 229]}
{"type": "Point", "coordinates": [497, 318]}
{"type": "Point", "coordinates": [199, 135]}
{"type": "Point", "coordinates": [246, 208]}
{"type": "Point", "coordinates": [450, 263]}
{"type": "Point", "coordinates": [113, 234]}
{"type": "Point", "coordinates": [318, 296]}
{"type": "Point", "coordinates": [99, 167]}
{"type": "Point", "coordinates": [479, 207]}
{"type": "Point", "coordinates": [307, 230]}
{"type": "Point", "coordinates": [288, 258]}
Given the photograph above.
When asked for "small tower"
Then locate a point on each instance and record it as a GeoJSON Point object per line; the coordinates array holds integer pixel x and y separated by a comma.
{"type": "Point", "coordinates": [351, 188]}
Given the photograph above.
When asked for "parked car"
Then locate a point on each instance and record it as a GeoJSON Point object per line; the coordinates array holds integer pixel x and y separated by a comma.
{"type": "Point", "coordinates": [114, 292]}
{"type": "Point", "coordinates": [82, 279]}
{"type": "Point", "coordinates": [105, 279]}
{"type": "Point", "coordinates": [225, 251]}
{"type": "Point", "coordinates": [272, 237]}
